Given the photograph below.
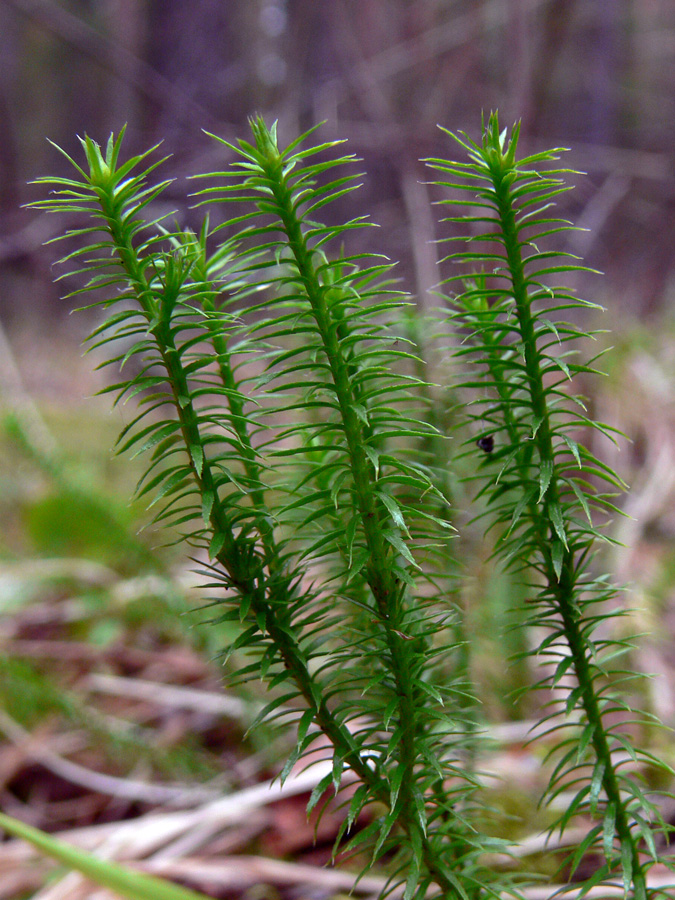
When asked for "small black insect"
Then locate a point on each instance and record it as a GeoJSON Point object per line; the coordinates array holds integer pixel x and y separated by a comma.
{"type": "Point", "coordinates": [486, 443]}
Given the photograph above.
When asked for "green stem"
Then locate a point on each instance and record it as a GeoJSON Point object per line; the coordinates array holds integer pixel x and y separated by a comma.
{"type": "Point", "coordinates": [238, 419]}
{"type": "Point", "coordinates": [388, 592]}
{"type": "Point", "coordinates": [161, 331]}
{"type": "Point", "coordinates": [563, 589]}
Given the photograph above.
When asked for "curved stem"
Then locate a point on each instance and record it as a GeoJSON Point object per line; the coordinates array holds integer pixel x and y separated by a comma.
{"type": "Point", "coordinates": [269, 594]}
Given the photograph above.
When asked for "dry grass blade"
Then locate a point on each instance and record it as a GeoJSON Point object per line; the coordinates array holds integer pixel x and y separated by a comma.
{"type": "Point", "coordinates": [126, 788]}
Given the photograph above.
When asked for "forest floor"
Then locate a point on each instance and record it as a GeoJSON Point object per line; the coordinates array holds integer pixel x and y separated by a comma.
{"type": "Point", "coordinates": [117, 729]}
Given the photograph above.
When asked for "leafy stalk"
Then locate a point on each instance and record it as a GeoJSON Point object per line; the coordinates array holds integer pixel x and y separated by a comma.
{"type": "Point", "coordinates": [539, 481]}
{"type": "Point", "coordinates": [387, 590]}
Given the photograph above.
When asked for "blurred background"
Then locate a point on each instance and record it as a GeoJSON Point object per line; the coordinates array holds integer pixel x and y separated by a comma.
{"type": "Point", "coordinates": [594, 75]}
{"type": "Point", "coordinates": [83, 599]}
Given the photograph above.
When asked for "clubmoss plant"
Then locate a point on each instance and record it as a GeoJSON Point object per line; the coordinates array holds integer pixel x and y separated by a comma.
{"type": "Point", "coordinates": [282, 413]}
{"type": "Point", "coordinates": [542, 486]}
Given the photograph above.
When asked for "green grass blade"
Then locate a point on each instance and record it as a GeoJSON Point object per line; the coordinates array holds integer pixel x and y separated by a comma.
{"type": "Point", "coordinates": [124, 881]}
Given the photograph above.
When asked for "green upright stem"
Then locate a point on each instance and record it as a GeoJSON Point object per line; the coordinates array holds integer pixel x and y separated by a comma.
{"type": "Point", "coordinates": [388, 592]}
{"type": "Point", "coordinates": [563, 589]}
{"type": "Point", "coordinates": [249, 458]}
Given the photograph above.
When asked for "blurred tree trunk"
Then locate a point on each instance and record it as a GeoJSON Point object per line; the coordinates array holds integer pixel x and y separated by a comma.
{"type": "Point", "coordinates": [604, 39]}
{"type": "Point", "coordinates": [548, 46]}
{"type": "Point", "coordinates": [125, 24]}
{"type": "Point", "coordinates": [518, 66]}
{"type": "Point", "coordinates": [9, 178]}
